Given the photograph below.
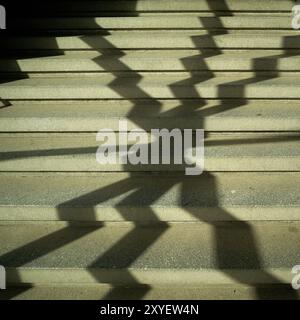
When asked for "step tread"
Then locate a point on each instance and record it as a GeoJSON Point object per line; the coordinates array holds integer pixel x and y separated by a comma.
{"type": "Point", "coordinates": [128, 197]}
{"type": "Point", "coordinates": [212, 115]}
{"type": "Point", "coordinates": [182, 253]}
{"type": "Point", "coordinates": [77, 152]}
{"type": "Point", "coordinates": [153, 86]}
{"type": "Point", "coordinates": [161, 60]}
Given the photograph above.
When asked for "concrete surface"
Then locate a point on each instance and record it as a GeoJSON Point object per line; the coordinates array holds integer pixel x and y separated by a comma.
{"type": "Point", "coordinates": [149, 198]}
{"type": "Point", "coordinates": [71, 228]}
{"type": "Point", "coordinates": [183, 254]}
{"type": "Point", "coordinates": [211, 115]}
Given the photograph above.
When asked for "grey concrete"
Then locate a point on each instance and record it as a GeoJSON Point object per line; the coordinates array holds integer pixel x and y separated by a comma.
{"type": "Point", "coordinates": [211, 115]}
{"type": "Point", "coordinates": [71, 228]}
{"type": "Point", "coordinates": [178, 39]}
{"type": "Point", "coordinates": [77, 152]}
{"type": "Point", "coordinates": [157, 60]}
{"type": "Point", "coordinates": [154, 86]}
{"type": "Point", "coordinates": [184, 254]}
{"type": "Point", "coordinates": [148, 198]}
{"type": "Point", "coordinates": [174, 6]}
{"type": "Point", "coordinates": [197, 21]}
{"type": "Point", "coordinates": [104, 292]}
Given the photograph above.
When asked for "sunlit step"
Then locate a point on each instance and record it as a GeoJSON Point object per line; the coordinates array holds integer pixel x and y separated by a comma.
{"type": "Point", "coordinates": [156, 60]}
{"type": "Point", "coordinates": [158, 39]}
{"type": "Point", "coordinates": [168, 6]}
{"type": "Point", "coordinates": [154, 86]}
{"type": "Point", "coordinates": [77, 152]}
{"type": "Point", "coordinates": [106, 292]}
{"type": "Point", "coordinates": [149, 197]}
{"type": "Point", "coordinates": [196, 21]}
{"type": "Point", "coordinates": [211, 115]}
{"type": "Point", "coordinates": [183, 254]}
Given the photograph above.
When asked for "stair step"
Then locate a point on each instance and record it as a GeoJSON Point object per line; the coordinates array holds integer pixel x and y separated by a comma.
{"type": "Point", "coordinates": [180, 6]}
{"type": "Point", "coordinates": [154, 86]}
{"type": "Point", "coordinates": [149, 198]}
{"type": "Point", "coordinates": [211, 115]}
{"type": "Point", "coordinates": [77, 152]}
{"type": "Point", "coordinates": [156, 60]}
{"type": "Point", "coordinates": [197, 21]}
{"type": "Point", "coordinates": [179, 39]}
{"type": "Point", "coordinates": [179, 254]}
{"type": "Point", "coordinates": [108, 292]}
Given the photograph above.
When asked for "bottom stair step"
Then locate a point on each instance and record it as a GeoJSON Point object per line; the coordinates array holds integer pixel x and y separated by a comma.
{"type": "Point", "coordinates": [168, 254]}
{"type": "Point", "coordinates": [107, 292]}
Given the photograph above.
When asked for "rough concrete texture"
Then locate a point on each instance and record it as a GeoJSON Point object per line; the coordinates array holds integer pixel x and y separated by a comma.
{"type": "Point", "coordinates": [257, 21]}
{"type": "Point", "coordinates": [220, 253]}
{"type": "Point", "coordinates": [148, 198]}
{"type": "Point", "coordinates": [155, 60]}
{"type": "Point", "coordinates": [154, 86]}
{"type": "Point", "coordinates": [179, 39]}
{"type": "Point", "coordinates": [175, 6]}
{"type": "Point", "coordinates": [77, 152]}
{"type": "Point", "coordinates": [107, 292]}
{"type": "Point", "coordinates": [211, 115]}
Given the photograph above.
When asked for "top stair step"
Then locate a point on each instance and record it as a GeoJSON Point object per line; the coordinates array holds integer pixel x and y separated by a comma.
{"type": "Point", "coordinates": [133, 6]}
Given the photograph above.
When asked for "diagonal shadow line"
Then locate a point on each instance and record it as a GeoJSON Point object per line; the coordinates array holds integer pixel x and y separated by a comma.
{"type": "Point", "coordinates": [131, 245]}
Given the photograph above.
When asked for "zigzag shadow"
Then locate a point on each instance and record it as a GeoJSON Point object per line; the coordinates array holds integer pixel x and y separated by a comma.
{"type": "Point", "coordinates": [226, 241]}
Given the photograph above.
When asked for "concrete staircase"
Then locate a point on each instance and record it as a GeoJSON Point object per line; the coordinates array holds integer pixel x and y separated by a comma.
{"type": "Point", "coordinates": [73, 229]}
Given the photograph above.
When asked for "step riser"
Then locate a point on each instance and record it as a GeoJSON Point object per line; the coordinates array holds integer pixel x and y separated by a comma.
{"type": "Point", "coordinates": [259, 89]}
{"type": "Point", "coordinates": [137, 76]}
{"type": "Point", "coordinates": [198, 21]}
{"type": "Point", "coordinates": [134, 215]}
{"type": "Point", "coordinates": [192, 62]}
{"type": "Point", "coordinates": [84, 124]}
{"type": "Point", "coordinates": [161, 40]}
{"type": "Point", "coordinates": [147, 277]}
{"type": "Point", "coordinates": [178, 6]}
{"type": "Point", "coordinates": [102, 292]}
{"type": "Point", "coordinates": [77, 163]}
